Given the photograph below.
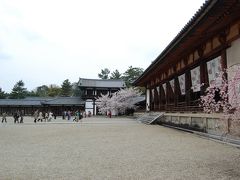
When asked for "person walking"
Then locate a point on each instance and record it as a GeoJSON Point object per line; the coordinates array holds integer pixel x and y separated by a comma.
{"type": "Point", "coordinates": [50, 116]}
{"type": "Point", "coordinates": [46, 117]}
{"type": "Point", "coordinates": [16, 116]}
{"type": "Point", "coordinates": [84, 114]}
{"type": "Point", "coordinates": [69, 115]}
{"type": "Point", "coordinates": [35, 115]}
{"type": "Point", "coordinates": [40, 116]}
{"type": "Point", "coordinates": [4, 117]}
{"type": "Point", "coordinates": [21, 113]}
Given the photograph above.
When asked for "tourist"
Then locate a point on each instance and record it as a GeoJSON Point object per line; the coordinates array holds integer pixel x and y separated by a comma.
{"type": "Point", "coordinates": [4, 117]}
{"type": "Point", "coordinates": [110, 114]}
{"type": "Point", "coordinates": [46, 116]}
{"type": "Point", "coordinates": [89, 114]}
{"type": "Point", "coordinates": [80, 114]}
{"type": "Point", "coordinates": [84, 114]}
{"type": "Point", "coordinates": [21, 113]}
{"type": "Point", "coordinates": [35, 115]}
{"type": "Point", "coordinates": [40, 116]}
{"type": "Point", "coordinates": [76, 116]}
{"type": "Point", "coordinates": [16, 116]}
{"type": "Point", "coordinates": [50, 116]}
{"type": "Point", "coordinates": [69, 115]}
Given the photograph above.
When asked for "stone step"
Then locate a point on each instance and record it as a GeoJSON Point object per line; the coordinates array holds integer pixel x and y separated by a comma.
{"type": "Point", "coordinates": [149, 118]}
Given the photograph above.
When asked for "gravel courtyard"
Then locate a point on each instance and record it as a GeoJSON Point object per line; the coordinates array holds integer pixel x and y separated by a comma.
{"type": "Point", "coordinates": [116, 148]}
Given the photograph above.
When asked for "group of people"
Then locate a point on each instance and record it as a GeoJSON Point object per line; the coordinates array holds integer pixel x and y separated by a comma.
{"type": "Point", "coordinates": [43, 116]}
{"type": "Point", "coordinates": [17, 116]}
{"type": "Point", "coordinates": [75, 116]}
{"type": "Point", "coordinates": [40, 116]}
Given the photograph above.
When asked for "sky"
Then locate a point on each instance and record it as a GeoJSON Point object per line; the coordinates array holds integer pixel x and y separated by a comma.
{"type": "Point", "coordinates": [44, 42]}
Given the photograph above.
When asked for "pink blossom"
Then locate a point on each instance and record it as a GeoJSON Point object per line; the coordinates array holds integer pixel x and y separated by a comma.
{"type": "Point", "coordinates": [224, 95]}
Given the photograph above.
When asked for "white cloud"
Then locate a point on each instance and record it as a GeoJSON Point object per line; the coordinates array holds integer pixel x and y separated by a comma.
{"type": "Point", "coordinates": [47, 41]}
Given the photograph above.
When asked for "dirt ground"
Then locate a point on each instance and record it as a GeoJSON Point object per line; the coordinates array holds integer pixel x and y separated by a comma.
{"type": "Point", "coordinates": [116, 148]}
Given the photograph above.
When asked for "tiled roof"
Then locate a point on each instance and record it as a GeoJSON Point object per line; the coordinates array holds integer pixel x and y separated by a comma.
{"type": "Point", "coordinates": [65, 101]}
{"type": "Point", "coordinates": [38, 101]}
{"type": "Point", "coordinates": [109, 83]}
{"type": "Point", "coordinates": [196, 18]}
{"type": "Point", "coordinates": [19, 102]}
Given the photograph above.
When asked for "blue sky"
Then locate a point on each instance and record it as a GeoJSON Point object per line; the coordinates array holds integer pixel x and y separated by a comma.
{"type": "Point", "coordinates": [48, 41]}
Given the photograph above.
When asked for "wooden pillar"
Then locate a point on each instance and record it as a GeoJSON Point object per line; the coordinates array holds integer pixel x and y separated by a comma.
{"type": "Point", "coordinates": [167, 94]}
{"type": "Point", "coordinates": [155, 98]}
{"type": "Point", "coordinates": [176, 93]}
{"type": "Point", "coordinates": [160, 97]}
{"type": "Point", "coordinates": [147, 99]}
{"type": "Point", "coordinates": [224, 59]}
{"type": "Point", "coordinates": [94, 106]}
{"type": "Point", "coordinates": [203, 77]}
{"type": "Point", "coordinates": [152, 99]}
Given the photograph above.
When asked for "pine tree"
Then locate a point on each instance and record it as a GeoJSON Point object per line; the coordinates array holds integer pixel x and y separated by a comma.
{"type": "Point", "coordinates": [104, 73]}
{"type": "Point", "coordinates": [131, 74]}
{"type": "Point", "coordinates": [66, 89]}
{"type": "Point", "coordinates": [54, 90]}
{"type": "Point", "coordinates": [76, 91]}
{"type": "Point", "coordinates": [2, 94]}
{"type": "Point", "coordinates": [18, 91]}
{"type": "Point", "coordinates": [115, 75]}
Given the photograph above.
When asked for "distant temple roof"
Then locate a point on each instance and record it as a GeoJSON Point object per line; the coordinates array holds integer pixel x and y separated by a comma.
{"type": "Point", "coordinates": [20, 102]}
{"type": "Point", "coordinates": [64, 101]}
{"type": "Point", "coordinates": [39, 101]}
{"type": "Point", "coordinates": [102, 83]}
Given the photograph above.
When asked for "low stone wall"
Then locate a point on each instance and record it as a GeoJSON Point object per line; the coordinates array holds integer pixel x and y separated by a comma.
{"type": "Point", "coordinates": [209, 123]}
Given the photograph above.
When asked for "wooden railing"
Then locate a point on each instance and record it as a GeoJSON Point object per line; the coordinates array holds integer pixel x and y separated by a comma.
{"type": "Point", "coordinates": [181, 107]}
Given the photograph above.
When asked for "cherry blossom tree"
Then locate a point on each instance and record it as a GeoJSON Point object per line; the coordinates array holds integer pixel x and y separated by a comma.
{"type": "Point", "coordinates": [119, 102]}
{"type": "Point", "coordinates": [234, 91]}
{"type": "Point", "coordinates": [216, 97]}
{"type": "Point", "coordinates": [103, 103]}
{"type": "Point", "coordinates": [224, 95]}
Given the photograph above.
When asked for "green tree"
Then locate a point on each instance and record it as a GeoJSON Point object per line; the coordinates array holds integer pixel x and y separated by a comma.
{"type": "Point", "coordinates": [104, 73]}
{"type": "Point", "coordinates": [115, 75]}
{"type": "Point", "coordinates": [42, 91]}
{"type": "Point", "coordinates": [66, 89]}
{"type": "Point", "coordinates": [76, 91]}
{"type": "Point", "coordinates": [54, 90]}
{"type": "Point", "coordinates": [31, 94]}
{"type": "Point", "coordinates": [18, 91]}
{"type": "Point", "coordinates": [131, 74]}
{"type": "Point", "coordinates": [3, 95]}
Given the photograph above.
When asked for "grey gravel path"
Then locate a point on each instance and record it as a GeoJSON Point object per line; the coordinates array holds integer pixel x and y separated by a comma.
{"type": "Point", "coordinates": [117, 148]}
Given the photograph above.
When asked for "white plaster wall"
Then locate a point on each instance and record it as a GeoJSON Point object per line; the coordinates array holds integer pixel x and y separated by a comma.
{"type": "Point", "coordinates": [89, 106]}
{"type": "Point", "coordinates": [114, 112]}
{"type": "Point", "coordinates": [148, 100]}
{"type": "Point", "coordinates": [233, 53]}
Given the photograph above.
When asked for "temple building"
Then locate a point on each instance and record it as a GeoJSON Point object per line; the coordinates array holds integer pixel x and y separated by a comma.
{"type": "Point", "coordinates": [93, 88]}
{"type": "Point", "coordinates": [90, 90]}
{"type": "Point", "coordinates": [207, 44]}
{"type": "Point", "coordinates": [45, 104]}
